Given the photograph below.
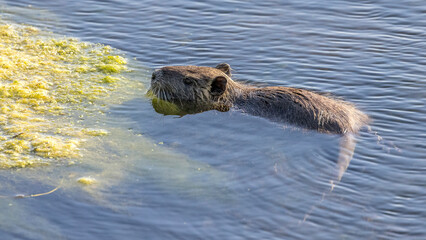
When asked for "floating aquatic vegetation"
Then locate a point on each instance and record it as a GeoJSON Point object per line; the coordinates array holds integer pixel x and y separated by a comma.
{"type": "Point", "coordinates": [86, 180]}
{"type": "Point", "coordinates": [48, 86]}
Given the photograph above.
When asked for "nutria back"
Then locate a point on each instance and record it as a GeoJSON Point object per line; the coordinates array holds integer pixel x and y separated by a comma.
{"type": "Point", "coordinates": [196, 89]}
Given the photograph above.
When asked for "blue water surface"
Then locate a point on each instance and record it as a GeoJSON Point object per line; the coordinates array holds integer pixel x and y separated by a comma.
{"type": "Point", "coordinates": [275, 179]}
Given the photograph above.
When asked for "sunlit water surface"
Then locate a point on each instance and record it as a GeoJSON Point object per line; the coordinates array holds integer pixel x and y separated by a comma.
{"type": "Point", "coordinates": [227, 175]}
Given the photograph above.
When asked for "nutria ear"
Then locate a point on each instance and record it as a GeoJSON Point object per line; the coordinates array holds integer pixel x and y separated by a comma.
{"type": "Point", "coordinates": [218, 86]}
{"type": "Point", "coordinates": [224, 67]}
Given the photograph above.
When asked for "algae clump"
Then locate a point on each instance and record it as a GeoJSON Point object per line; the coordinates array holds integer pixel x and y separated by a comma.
{"type": "Point", "coordinates": [86, 180]}
{"type": "Point", "coordinates": [48, 86]}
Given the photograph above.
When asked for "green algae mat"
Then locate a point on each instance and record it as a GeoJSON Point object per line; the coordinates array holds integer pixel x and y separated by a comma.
{"type": "Point", "coordinates": [45, 80]}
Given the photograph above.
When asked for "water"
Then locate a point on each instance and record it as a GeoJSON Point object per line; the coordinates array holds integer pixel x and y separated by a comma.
{"type": "Point", "coordinates": [250, 178]}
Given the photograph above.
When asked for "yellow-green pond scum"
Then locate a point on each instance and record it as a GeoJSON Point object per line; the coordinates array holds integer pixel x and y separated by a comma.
{"type": "Point", "coordinates": [48, 84]}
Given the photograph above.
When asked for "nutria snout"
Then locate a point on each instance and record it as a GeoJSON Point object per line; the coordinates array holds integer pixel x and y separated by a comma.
{"type": "Point", "coordinates": [195, 89]}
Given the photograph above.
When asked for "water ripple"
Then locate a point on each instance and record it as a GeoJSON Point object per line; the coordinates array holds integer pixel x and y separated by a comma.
{"type": "Point", "coordinates": [368, 52]}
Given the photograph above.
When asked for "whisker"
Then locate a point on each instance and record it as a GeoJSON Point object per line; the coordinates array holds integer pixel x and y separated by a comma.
{"type": "Point", "coordinates": [163, 95]}
{"type": "Point", "coordinates": [167, 96]}
{"type": "Point", "coordinates": [158, 93]}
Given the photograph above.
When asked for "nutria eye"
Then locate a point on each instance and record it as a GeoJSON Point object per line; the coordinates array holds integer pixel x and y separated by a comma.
{"type": "Point", "coordinates": [153, 76]}
{"type": "Point", "coordinates": [188, 81]}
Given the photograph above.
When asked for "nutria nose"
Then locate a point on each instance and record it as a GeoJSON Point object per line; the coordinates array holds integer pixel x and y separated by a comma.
{"type": "Point", "coordinates": [155, 75]}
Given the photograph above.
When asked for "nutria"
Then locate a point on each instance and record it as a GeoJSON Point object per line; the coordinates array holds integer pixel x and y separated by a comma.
{"type": "Point", "coordinates": [195, 89]}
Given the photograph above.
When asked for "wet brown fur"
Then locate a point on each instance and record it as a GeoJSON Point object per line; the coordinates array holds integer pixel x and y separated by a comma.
{"type": "Point", "coordinates": [197, 89]}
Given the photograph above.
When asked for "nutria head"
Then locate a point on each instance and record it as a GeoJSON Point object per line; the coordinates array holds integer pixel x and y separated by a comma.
{"type": "Point", "coordinates": [191, 87]}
